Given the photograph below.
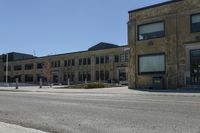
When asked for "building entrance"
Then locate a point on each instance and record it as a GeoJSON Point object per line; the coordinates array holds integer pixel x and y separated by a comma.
{"type": "Point", "coordinates": [195, 66]}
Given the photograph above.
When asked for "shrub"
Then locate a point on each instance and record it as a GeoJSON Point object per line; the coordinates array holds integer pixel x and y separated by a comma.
{"type": "Point", "coordinates": [94, 85]}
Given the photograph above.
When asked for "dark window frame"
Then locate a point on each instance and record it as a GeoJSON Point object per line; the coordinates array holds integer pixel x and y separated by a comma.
{"type": "Point", "coordinates": [17, 68]}
{"type": "Point", "coordinates": [40, 65]}
{"type": "Point", "coordinates": [28, 66]}
{"type": "Point", "coordinates": [98, 60]}
{"type": "Point", "coordinates": [156, 72]}
{"type": "Point", "coordinates": [138, 27]}
{"type": "Point", "coordinates": [191, 29]}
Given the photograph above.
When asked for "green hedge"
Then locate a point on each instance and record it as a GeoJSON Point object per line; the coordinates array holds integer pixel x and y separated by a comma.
{"type": "Point", "coordinates": [94, 85]}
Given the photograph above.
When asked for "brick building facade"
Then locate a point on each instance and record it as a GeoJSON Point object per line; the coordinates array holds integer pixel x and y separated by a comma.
{"type": "Point", "coordinates": [103, 62]}
{"type": "Point", "coordinates": [164, 41]}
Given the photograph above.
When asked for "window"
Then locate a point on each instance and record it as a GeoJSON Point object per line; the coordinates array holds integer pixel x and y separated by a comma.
{"type": "Point", "coordinates": [80, 61]}
{"type": "Point", "coordinates": [73, 62]}
{"type": "Point", "coordinates": [150, 31]}
{"type": "Point", "coordinates": [102, 75]}
{"type": "Point", "coordinates": [72, 76]}
{"type": "Point", "coordinates": [84, 76]}
{"type": "Point", "coordinates": [126, 57]}
{"type": "Point", "coordinates": [88, 61]}
{"type": "Point", "coordinates": [17, 67]}
{"type": "Point", "coordinates": [88, 76]}
{"type": "Point", "coordinates": [122, 75]}
{"type": "Point", "coordinates": [9, 68]}
{"type": "Point", "coordinates": [195, 23]}
{"type": "Point", "coordinates": [122, 57]}
{"type": "Point", "coordinates": [28, 66]}
{"type": "Point", "coordinates": [97, 75]}
{"type": "Point", "coordinates": [116, 58]}
{"type": "Point", "coordinates": [55, 64]}
{"type": "Point", "coordinates": [107, 59]}
{"type": "Point", "coordinates": [84, 61]}
{"type": "Point", "coordinates": [69, 63]}
{"type": "Point", "coordinates": [97, 60]}
{"type": "Point", "coordinates": [65, 63]}
{"type": "Point", "coordinates": [39, 66]}
{"type": "Point", "coordinates": [80, 76]}
{"type": "Point", "coordinates": [28, 78]}
{"type": "Point", "coordinates": [106, 75]}
{"type": "Point", "coordinates": [102, 59]}
{"type": "Point", "coordinates": [151, 63]}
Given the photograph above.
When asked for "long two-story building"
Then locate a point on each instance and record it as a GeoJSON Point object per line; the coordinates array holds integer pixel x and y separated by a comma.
{"type": "Point", "coordinates": [103, 62]}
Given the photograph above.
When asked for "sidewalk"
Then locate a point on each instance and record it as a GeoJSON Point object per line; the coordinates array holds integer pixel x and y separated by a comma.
{"type": "Point", "coordinates": [114, 90]}
{"type": "Point", "coordinates": [9, 128]}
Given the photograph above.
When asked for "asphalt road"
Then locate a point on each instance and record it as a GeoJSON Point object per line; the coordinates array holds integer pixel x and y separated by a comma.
{"type": "Point", "coordinates": [76, 112]}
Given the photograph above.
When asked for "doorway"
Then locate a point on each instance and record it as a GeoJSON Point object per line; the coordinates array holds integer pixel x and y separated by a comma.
{"type": "Point", "coordinates": [195, 66]}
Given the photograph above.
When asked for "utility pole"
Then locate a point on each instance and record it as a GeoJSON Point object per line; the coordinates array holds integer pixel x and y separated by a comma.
{"type": "Point", "coordinates": [6, 69]}
{"type": "Point", "coordinates": [99, 69]}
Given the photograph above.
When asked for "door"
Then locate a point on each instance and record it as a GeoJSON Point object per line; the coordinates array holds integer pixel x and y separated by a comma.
{"type": "Point", "coordinates": [195, 66]}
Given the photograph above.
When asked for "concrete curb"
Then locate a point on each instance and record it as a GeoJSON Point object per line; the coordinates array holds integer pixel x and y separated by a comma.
{"type": "Point", "coordinates": [122, 90]}
{"type": "Point", "coordinates": [10, 128]}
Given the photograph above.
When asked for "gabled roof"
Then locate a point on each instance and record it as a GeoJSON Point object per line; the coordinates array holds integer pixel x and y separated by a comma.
{"type": "Point", "coordinates": [156, 5]}
{"type": "Point", "coordinates": [102, 45]}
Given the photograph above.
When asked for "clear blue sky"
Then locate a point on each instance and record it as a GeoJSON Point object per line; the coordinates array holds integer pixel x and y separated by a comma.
{"type": "Point", "coordinates": [61, 26]}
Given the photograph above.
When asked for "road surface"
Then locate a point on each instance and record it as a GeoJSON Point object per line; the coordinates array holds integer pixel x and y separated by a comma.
{"type": "Point", "coordinates": [101, 112]}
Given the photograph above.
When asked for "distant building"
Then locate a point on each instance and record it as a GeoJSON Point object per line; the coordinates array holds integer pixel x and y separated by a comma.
{"type": "Point", "coordinates": [103, 62]}
{"type": "Point", "coordinates": [164, 42]}
{"type": "Point", "coordinates": [13, 56]}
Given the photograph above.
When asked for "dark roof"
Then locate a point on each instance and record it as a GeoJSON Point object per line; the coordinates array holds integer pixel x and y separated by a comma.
{"type": "Point", "coordinates": [102, 45]}
{"type": "Point", "coordinates": [99, 46]}
{"type": "Point", "coordinates": [156, 5]}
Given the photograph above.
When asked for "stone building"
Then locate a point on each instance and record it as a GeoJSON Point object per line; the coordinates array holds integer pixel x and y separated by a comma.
{"type": "Point", "coordinates": [164, 42]}
{"type": "Point", "coordinates": [103, 62]}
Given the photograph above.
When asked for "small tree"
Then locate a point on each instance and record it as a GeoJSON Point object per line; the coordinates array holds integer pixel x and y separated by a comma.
{"type": "Point", "coordinates": [47, 71]}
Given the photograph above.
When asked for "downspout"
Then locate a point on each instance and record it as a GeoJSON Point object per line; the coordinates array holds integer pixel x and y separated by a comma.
{"type": "Point", "coordinates": [177, 52]}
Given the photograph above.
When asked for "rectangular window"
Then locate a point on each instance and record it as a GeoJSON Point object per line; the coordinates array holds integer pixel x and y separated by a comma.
{"type": "Point", "coordinates": [28, 66]}
{"type": "Point", "coordinates": [88, 61]}
{"type": "Point", "coordinates": [150, 31]}
{"type": "Point", "coordinates": [151, 63]}
{"type": "Point", "coordinates": [69, 63]}
{"type": "Point", "coordinates": [84, 61]}
{"type": "Point", "coordinates": [80, 76]}
{"type": "Point", "coordinates": [17, 67]}
{"type": "Point", "coordinates": [65, 63]}
{"type": "Point", "coordinates": [116, 58]}
{"type": "Point", "coordinates": [195, 23]}
{"type": "Point", "coordinates": [88, 76]}
{"type": "Point", "coordinates": [39, 65]}
{"type": "Point", "coordinates": [122, 57]}
{"type": "Point", "coordinates": [97, 75]}
{"type": "Point", "coordinates": [122, 75]}
{"type": "Point", "coordinates": [73, 62]}
{"type": "Point", "coordinates": [72, 76]}
{"type": "Point", "coordinates": [102, 75]}
{"type": "Point", "coordinates": [107, 75]}
{"type": "Point", "coordinates": [55, 64]}
{"type": "Point", "coordinates": [80, 61]}
{"type": "Point", "coordinates": [126, 57]}
{"type": "Point", "coordinates": [102, 59]}
{"type": "Point", "coordinates": [97, 60]}
{"type": "Point", "coordinates": [107, 59]}
{"type": "Point", "coordinates": [9, 68]}
{"type": "Point", "coordinates": [28, 78]}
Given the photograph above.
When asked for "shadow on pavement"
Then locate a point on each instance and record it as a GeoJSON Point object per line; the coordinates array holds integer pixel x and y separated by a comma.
{"type": "Point", "coordinates": [176, 90]}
